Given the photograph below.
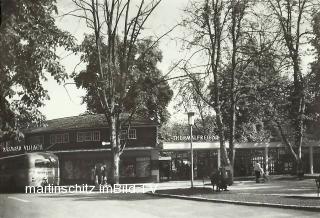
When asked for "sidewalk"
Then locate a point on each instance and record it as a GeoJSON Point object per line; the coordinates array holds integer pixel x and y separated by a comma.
{"type": "Point", "coordinates": [284, 192]}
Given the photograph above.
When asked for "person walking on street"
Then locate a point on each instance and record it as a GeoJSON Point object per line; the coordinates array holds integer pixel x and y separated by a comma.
{"type": "Point", "coordinates": [258, 171]}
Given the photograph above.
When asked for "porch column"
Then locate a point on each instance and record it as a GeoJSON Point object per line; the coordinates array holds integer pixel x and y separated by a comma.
{"type": "Point", "coordinates": [266, 156]}
{"type": "Point", "coordinates": [311, 158]}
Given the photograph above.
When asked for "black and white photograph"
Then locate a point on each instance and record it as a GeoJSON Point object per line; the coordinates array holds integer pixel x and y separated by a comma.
{"type": "Point", "coordinates": [159, 108]}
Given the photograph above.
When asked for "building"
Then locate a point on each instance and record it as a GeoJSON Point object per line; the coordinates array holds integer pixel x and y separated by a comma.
{"type": "Point", "coordinates": [273, 157]}
{"type": "Point", "coordinates": [82, 142]}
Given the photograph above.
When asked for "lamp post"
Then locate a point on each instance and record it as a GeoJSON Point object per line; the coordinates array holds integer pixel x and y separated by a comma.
{"type": "Point", "coordinates": [191, 122]}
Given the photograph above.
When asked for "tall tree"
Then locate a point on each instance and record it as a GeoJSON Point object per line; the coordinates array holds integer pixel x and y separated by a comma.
{"type": "Point", "coordinates": [220, 31]}
{"type": "Point", "coordinates": [117, 25]}
{"type": "Point", "coordinates": [28, 42]}
{"type": "Point", "coordinates": [313, 81]}
{"type": "Point", "coordinates": [293, 21]}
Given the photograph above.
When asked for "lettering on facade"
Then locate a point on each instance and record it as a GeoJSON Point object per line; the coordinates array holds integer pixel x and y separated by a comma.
{"type": "Point", "coordinates": [184, 138]}
{"type": "Point", "coordinates": [26, 148]}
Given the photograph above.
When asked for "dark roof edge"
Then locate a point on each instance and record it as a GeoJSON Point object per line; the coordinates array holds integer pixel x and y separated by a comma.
{"type": "Point", "coordinates": [135, 123]}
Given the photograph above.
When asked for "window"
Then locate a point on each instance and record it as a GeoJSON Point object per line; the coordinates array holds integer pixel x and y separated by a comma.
{"type": "Point", "coordinates": [36, 140]}
{"type": "Point", "coordinates": [42, 163]}
{"type": "Point", "coordinates": [123, 134]}
{"type": "Point", "coordinates": [132, 134]}
{"type": "Point", "coordinates": [3, 144]}
{"type": "Point", "coordinates": [88, 136]}
{"type": "Point", "coordinates": [59, 138]}
{"type": "Point", "coordinates": [96, 136]}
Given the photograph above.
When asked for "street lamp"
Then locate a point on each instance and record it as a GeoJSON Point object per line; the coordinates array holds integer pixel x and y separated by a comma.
{"type": "Point", "coordinates": [191, 122]}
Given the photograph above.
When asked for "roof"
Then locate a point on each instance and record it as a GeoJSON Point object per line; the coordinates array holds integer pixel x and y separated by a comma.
{"type": "Point", "coordinates": [87, 121]}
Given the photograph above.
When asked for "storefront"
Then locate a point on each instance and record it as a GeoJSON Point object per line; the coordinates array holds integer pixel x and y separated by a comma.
{"type": "Point", "coordinates": [273, 157]}
{"type": "Point", "coordinates": [135, 166]}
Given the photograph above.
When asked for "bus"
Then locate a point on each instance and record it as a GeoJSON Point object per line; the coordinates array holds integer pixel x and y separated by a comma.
{"type": "Point", "coordinates": [29, 169]}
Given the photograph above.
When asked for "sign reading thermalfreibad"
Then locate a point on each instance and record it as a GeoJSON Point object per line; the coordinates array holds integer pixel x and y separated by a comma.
{"type": "Point", "coordinates": [185, 138]}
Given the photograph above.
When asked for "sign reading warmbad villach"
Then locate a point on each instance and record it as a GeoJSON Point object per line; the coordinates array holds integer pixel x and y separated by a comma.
{"type": "Point", "coordinates": [22, 148]}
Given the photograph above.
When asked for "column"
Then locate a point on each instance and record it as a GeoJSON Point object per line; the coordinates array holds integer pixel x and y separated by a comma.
{"type": "Point", "coordinates": [155, 165]}
{"type": "Point", "coordinates": [266, 158]}
{"type": "Point", "coordinates": [219, 158]}
{"type": "Point", "coordinates": [311, 158]}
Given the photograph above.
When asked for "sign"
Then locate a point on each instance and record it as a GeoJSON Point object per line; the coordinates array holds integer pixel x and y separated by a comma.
{"type": "Point", "coordinates": [195, 138]}
{"type": "Point", "coordinates": [22, 148]}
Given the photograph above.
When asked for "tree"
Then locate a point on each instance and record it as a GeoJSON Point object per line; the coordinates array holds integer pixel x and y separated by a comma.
{"type": "Point", "coordinates": [28, 56]}
{"type": "Point", "coordinates": [116, 26]}
{"type": "Point", "coordinates": [206, 21]}
{"type": "Point", "coordinates": [149, 94]}
{"type": "Point", "coordinates": [221, 32]}
{"type": "Point", "coordinates": [313, 81]}
{"type": "Point", "coordinates": [293, 22]}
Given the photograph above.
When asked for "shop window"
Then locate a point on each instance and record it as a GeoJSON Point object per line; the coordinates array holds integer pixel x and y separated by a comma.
{"type": "Point", "coordinates": [127, 168]}
{"type": "Point", "coordinates": [288, 166]}
{"type": "Point", "coordinates": [36, 140]}
{"type": "Point", "coordinates": [143, 167]}
{"type": "Point", "coordinates": [59, 138]}
{"type": "Point", "coordinates": [88, 136]}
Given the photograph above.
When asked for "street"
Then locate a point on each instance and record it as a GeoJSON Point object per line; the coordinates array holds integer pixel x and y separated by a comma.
{"type": "Point", "coordinates": [127, 205]}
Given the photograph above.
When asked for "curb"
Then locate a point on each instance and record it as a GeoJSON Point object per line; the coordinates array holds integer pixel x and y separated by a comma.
{"type": "Point", "coordinates": [259, 204]}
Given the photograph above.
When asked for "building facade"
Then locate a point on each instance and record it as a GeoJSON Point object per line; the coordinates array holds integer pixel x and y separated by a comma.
{"type": "Point", "coordinates": [82, 143]}
{"type": "Point", "coordinates": [273, 157]}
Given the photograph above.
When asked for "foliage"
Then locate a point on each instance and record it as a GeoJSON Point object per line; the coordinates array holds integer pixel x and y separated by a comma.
{"type": "Point", "coordinates": [29, 39]}
{"type": "Point", "coordinates": [148, 92]}
{"type": "Point", "coordinates": [313, 81]}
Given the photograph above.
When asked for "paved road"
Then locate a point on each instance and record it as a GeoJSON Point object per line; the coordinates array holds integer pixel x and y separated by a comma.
{"type": "Point", "coordinates": [127, 205]}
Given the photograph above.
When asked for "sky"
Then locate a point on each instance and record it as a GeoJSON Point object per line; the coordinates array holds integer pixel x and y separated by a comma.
{"type": "Point", "coordinates": [65, 99]}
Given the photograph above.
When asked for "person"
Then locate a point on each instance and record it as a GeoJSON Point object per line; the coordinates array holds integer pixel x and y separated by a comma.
{"type": "Point", "coordinates": [223, 179]}
{"type": "Point", "coordinates": [93, 177]}
{"type": "Point", "coordinates": [98, 174]}
{"type": "Point", "coordinates": [215, 180]}
{"type": "Point", "coordinates": [104, 174]}
{"type": "Point", "coordinates": [258, 171]}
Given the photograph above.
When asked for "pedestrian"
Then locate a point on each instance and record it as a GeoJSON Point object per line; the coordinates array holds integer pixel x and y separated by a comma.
{"type": "Point", "coordinates": [258, 171]}
{"type": "Point", "coordinates": [215, 181]}
{"type": "Point", "coordinates": [98, 174]}
{"type": "Point", "coordinates": [93, 177]}
{"type": "Point", "coordinates": [105, 174]}
{"type": "Point", "coordinates": [223, 179]}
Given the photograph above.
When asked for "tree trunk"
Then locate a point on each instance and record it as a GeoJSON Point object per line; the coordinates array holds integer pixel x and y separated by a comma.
{"type": "Point", "coordinates": [299, 111]}
{"type": "Point", "coordinates": [295, 154]}
{"type": "Point", "coordinates": [116, 168]}
{"type": "Point", "coordinates": [114, 150]}
{"type": "Point", "coordinates": [232, 123]}
{"type": "Point", "coordinates": [223, 150]}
